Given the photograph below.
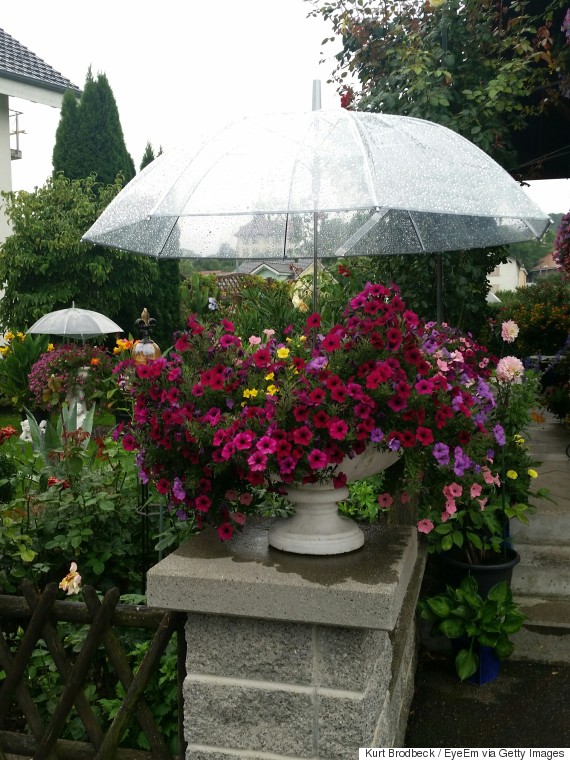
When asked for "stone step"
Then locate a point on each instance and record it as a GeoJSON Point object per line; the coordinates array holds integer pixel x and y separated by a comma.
{"type": "Point", "coordinates": [545, 636]}
{"type": "Point", "coordinates": [550, 523]}
{"type": "Point", "coordinates": [544, 570]}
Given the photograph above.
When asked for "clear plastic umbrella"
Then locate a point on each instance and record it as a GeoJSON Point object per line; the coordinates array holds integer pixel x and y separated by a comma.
{"type": "Point", "coordinates": [323, 184]}
{"type": "Point", "coordinates": [74, 323]}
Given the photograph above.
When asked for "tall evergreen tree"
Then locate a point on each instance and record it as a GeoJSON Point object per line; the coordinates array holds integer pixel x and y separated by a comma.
{"type": "Point", "coordinates": [148, 156]}
{"type": "Point", "coordinates": [90, 138]}
{"type": "Point", "coordinates": [67, 149]}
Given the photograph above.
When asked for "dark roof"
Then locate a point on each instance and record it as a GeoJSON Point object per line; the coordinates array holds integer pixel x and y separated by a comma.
{"type": "Point", "coordinates": [20, 64]}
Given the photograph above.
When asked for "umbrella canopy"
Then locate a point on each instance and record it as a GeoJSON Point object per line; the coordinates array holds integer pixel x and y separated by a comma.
{"type": "Point", "coordinates": [320, 184]}
{"type": "Point", "coordinates": [74, 323]}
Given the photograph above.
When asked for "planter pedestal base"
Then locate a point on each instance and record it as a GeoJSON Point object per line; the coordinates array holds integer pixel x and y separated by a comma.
{"type": "Point", "coordinates": [293, 655]}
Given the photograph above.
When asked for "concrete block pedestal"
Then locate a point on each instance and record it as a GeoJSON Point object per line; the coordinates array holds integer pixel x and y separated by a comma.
{"type": "Point", "coordinates": [291, 656]}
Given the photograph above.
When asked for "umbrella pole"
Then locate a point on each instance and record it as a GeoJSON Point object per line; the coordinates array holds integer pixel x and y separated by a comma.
{"type": "Point", "coordinates": [439, 286]}
{"type": "Point", "coordinates": [315, 247]}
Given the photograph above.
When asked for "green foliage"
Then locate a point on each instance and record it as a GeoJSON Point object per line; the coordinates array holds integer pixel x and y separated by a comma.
{"type": "Point", "coordinates": [264, 304]}
{"type": "Point", "coordinates": [148, 156]}
{"type": "Point", "coordinates": [542, 313]}
{"type": "Point", "coordinates": [463, 613]}
{"type": "Point", "coordinates": [103, 690]}
{"type": "Point", "coordinates": [472, 66]}
{"type": "Point", "coordinates": [89, 138]}
{"type": "Point", "coordinates": [45, 266]}
{"type": "Point", "coordinates": [15, 365]}
{"type": "Point", "coordinates": [199, 294]}
{"type": "Point", "coordinates": [464, 289]}
{"type": "Point", "coordinates": [165, 300]}
{"type": "Point", "coordinates": [531, 252]}
{"type": "Point", "coordinates": [76, 501]}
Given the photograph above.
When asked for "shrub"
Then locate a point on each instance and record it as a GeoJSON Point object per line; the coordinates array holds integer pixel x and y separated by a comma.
{"type": "Point", "coordinates": [57, 373]}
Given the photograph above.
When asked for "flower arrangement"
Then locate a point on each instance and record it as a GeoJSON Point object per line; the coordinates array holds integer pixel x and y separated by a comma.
{"type": "Point", "coordinates": [221, 415]}
{"type": "Point", "coordinates": [59, 372]}
{"type": "Point", "coordinates": [470, 493]}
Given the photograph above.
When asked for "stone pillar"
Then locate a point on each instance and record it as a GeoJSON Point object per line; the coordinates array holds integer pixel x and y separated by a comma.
{"type": "Point", "coordinates": [292, 656]}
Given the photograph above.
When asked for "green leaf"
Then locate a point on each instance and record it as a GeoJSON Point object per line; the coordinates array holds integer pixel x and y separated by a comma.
{"type": "Point", "coordinates": [453, 628]}
{"type": "Point", "coordinates": [466, 663]}
{"type": "Point", "coordinates": [439, 605]}
{"type": "Point", "coordinates": [500, 592]}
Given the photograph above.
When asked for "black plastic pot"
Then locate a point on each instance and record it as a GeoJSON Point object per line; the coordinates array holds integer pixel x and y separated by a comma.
{"type": "Point", "coordinates": [454, 570]}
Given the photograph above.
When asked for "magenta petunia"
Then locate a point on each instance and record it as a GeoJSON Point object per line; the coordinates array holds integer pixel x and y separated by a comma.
{"type": "Point", "coordinates": [317, 459]}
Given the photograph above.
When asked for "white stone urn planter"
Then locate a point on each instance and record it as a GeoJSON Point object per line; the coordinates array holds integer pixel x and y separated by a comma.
{"type": "Point", "coordinates": [317, 527]}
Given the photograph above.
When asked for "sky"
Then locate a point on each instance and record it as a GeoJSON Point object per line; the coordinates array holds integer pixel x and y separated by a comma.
{"type": "Point", "coordinates": [176, 68]}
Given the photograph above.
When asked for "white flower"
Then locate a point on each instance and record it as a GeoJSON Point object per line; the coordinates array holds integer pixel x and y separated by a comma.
{"type": "Point", "coordinates": [72, 581]}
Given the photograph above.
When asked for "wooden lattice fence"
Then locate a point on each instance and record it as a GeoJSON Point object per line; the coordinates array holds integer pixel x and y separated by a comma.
{"type": "Point", "coordinates": [39, 615]}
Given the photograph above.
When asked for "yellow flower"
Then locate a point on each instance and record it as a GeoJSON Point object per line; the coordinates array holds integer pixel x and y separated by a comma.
{"type": "Point", "coordinates": [283, 353]}
{"type": "Point", "coordinates": [3, 350]}
{"type": "Point", "coordinates": [303, 338]}
{"type": "Point", "coordinates": [50, 347]}
{"type": "Point", "coordinates": [250, 393]}
{"type": "Point", "coordinates": [512, 474]}
{"type": "Point", "coordinates": [21, 335]}
{"type": "Point", "coordinates": [9, 335]}
{"type": "Point", "coordinates": [270, 376]}
{"type": "Point", "coordinates": [532, 473]}
{"type": "Point", "coordinates": [519, 440]}
{"type": "Point", "coordinates": [272, 390]}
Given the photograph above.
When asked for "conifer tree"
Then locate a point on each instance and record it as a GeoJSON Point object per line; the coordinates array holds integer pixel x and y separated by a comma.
{"type": "Point", "coordinates": [148, 156]}
{"type": "Point", "coordinates": [90, 138]}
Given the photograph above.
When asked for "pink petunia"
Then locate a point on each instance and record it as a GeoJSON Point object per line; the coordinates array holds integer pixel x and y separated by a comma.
{"type": "Point", "coordinates": [425, 526]}
{"type": "Point", "coordinates": [317, 459]}
{"type": "Point", "coordinates": [385, 500]}
{"type": "Point", "coordinates": [475, 490]}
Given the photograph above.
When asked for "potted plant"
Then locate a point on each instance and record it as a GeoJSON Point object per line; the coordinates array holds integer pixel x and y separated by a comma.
{"type": "Point", "coordinates": [223, 415]}
{"type": "Point", "coordinates": [470, 493]}
{"type": "Point", "coordinates": [71, 371]}
{"type": "Point", "coordinates": [479, 626]}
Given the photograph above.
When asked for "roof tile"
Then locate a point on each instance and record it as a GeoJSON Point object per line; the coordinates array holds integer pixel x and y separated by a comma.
{"type": "Point", "coordinates": [19, 63]}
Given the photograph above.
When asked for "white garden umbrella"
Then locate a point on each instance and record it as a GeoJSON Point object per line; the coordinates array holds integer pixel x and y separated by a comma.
{"type": "Point", "coordinates": [74, 323]}
{"type": "Point", "coordinates": [323, 184]}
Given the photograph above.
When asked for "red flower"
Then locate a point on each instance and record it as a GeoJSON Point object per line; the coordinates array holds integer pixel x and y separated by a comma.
{"type": "Point", "coordinates": [225, 531]}
{"type": "Point", "coordinates": [203, 503]}
{"type": "Point", "coordinates": [424, 436]}
{"type": "Point", "coordinates": [314, 321]}
{"type": "Point", "coordinates": [302, 436]}
{"type": "Point", "coordinates": [331, 342]}
{"type": "Point", "coordinates": [182, 343]}
{"type": "Point", "coordinates": [163, 486]}
{"type": "Point", "coordinates": [338, 429]}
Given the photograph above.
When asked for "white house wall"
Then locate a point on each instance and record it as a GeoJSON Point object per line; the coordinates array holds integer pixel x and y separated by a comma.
{"type": "Point", "coordinates": [5, 162]}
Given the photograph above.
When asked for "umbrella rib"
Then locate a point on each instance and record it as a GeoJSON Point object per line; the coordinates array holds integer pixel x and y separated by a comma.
{"type": "Point", "coordinates": [369, 180]}
{"type": "Point", "coordinates": [416, 230]}
{"type": "Point", "coordinates": [361, 231]}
